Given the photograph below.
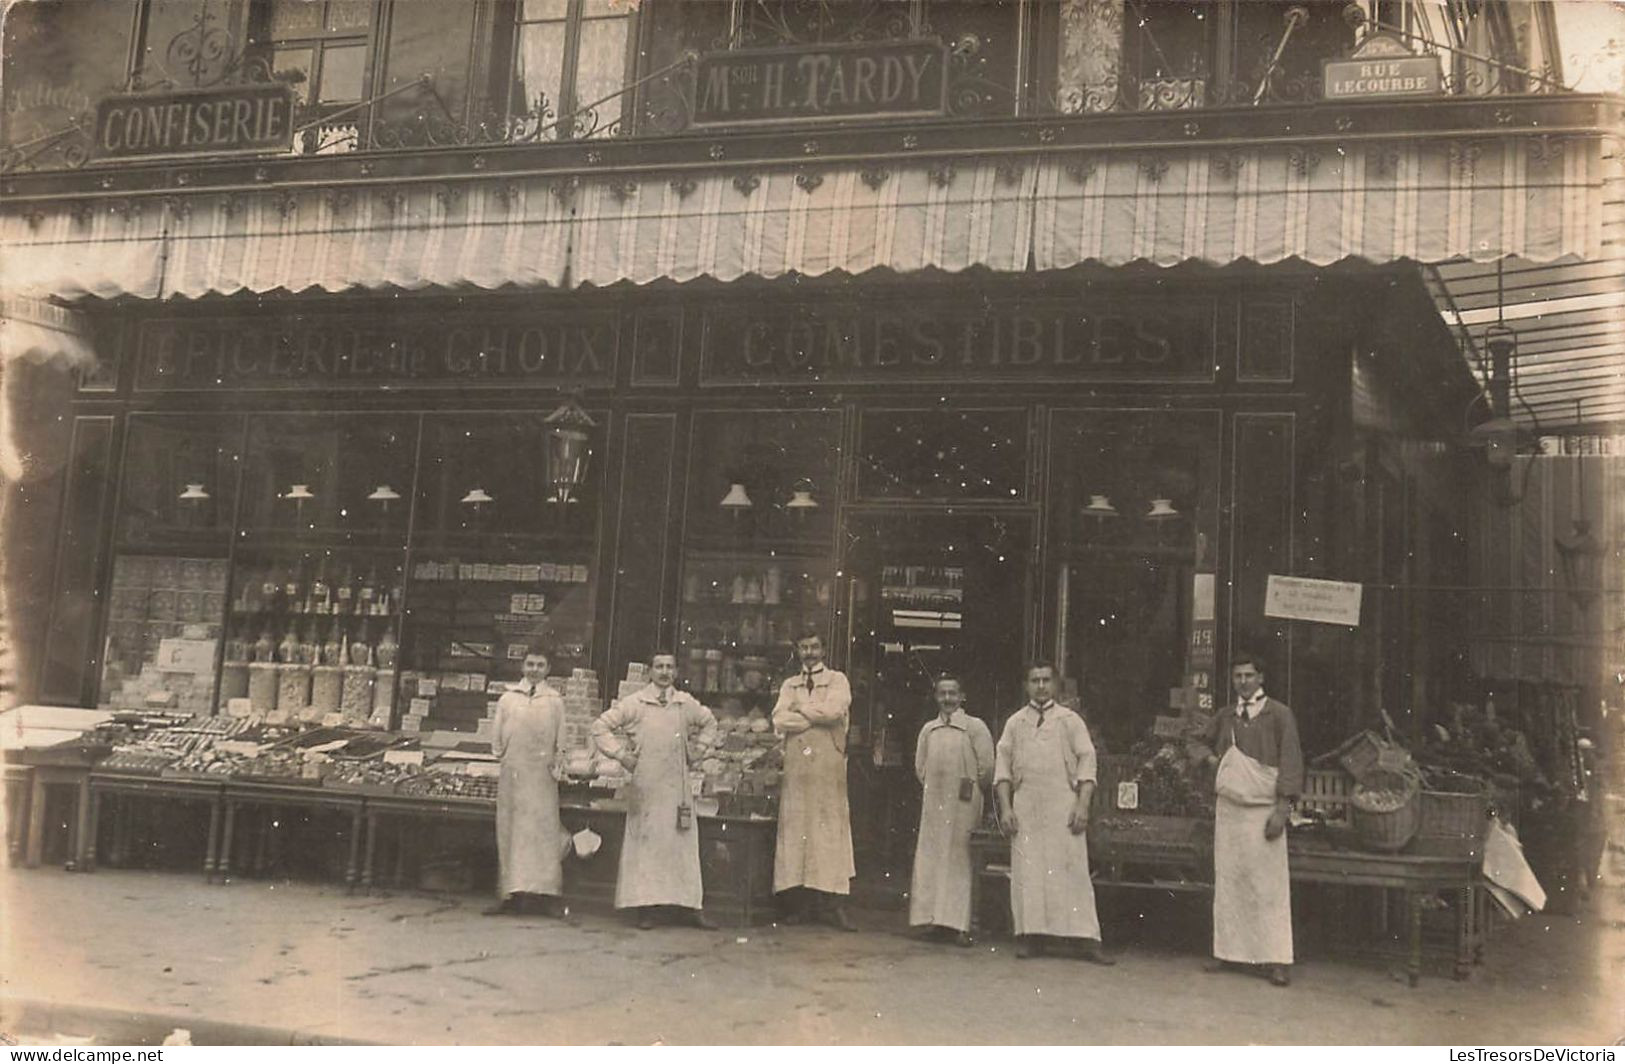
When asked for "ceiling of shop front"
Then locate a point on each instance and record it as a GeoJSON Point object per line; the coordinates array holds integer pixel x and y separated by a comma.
{"type": "Point", "coordinates": [1570, 325]}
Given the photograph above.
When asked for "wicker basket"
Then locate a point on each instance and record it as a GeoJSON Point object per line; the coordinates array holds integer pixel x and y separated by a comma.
{"type": "Point", "coordinates": [1452, 824]}
{"type": "Point", "coordinates": [1386, 830]}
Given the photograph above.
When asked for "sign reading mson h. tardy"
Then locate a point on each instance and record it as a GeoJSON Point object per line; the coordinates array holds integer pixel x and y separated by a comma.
{"type": "Point", "coordinates": [243, 118]}
{"type": "Point", "coordinates": [867, 80]}
{"type": "Point", "coordinates": [1048, 339]}
{"type": "Point", "coordinates": [369, 350]}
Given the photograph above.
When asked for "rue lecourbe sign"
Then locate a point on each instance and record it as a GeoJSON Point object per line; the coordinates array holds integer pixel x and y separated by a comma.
{"type": "Point", "coordinates": [222, 120]}
{"type": "Point", "coordinates": [868, 80]}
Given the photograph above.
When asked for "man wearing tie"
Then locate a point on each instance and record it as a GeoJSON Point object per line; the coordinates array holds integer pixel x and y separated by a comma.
{"type": "Point", "coordinates": [1260, 775]}
{"type": "Point", "coordinates": [530, 837]}
{"type": "Point", "coordinates": [1043, 781]}
{"type": "Point", "coordinates": [651, 733]}
{"type": "Point", "coordinates": [814, 855]}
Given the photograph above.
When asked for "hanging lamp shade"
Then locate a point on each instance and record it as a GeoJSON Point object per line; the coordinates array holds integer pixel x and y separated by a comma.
{"type": "Point", "coordinates": [477, 496]}
{"type": "Point", "coordinates": [383, 493]}
{"type": "Point", "coordinates": [1161, 510]}
{"type": "Point", "coordinates": [194, 493]}
{"type": "Point", "coordinates": [1100, 506]}
{"type": "Point", "coordinates": [736, 499]}
{"type": "Point", "coordinates": [299, 493]}
{"type": "Point", "coordinates": [801, 497]}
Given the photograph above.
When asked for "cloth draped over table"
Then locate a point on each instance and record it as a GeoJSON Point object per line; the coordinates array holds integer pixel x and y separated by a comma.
{"type": "Point", "coordinates": [1427, 200]}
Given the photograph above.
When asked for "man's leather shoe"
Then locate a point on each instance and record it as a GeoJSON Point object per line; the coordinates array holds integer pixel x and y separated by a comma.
{"type": "Point", "coordinates": [1280, 975]}
{"type": "Point", "coordinates": [697, 918]}
{"type": "Point", "coordinates": [646, 919]}
{"type": "Point", "coordinates": [506, 907]}
{"type": "Point", "coordinates": [835, 916]}
{"type": "Point", "coordinates": [964, 940]}
{"type": "Point", "coordinates": [1214, 966]}
{"type": "Point", "coordinates": [1092, 953]}
{"type": "Point", "coordinates": [1026, 946]}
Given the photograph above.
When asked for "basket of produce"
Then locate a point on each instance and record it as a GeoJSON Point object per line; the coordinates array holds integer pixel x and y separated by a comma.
{"type": "Point", "coordinates": [1453, 817]}
{"type": "Point", "coordinates": [1384, 809]}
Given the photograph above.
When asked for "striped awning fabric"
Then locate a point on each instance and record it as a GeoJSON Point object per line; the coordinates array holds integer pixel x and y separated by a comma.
{"type": "Point", "coordinates": [1537, 198]}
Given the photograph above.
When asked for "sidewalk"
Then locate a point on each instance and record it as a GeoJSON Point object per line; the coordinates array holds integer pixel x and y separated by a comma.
{"type": "Point", "coordinates": [303, 962]}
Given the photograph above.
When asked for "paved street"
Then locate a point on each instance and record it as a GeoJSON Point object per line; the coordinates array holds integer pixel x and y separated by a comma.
{"type": "Point", "coordinates": [118, 954]}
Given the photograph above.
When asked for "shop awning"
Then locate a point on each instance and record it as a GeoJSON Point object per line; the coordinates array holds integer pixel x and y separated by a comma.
{"type": "Point", "coordinates": [32, 330]}
{"type": "Point", "coordinates": [1433, 201]}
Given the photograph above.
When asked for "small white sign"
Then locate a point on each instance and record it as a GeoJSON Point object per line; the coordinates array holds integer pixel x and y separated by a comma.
{"type": "Point", "coordinates": [1128, 795]}
{"type": "Point", "coordinates": [1299, 598]}
{"type": "Point", "coordinates": [195, 656]}
{"type": "Point", "coordinates": [403, 757]}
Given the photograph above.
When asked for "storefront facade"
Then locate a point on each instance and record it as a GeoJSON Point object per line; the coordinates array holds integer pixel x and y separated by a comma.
{"type": "Point", "coordinates": [400, 413]}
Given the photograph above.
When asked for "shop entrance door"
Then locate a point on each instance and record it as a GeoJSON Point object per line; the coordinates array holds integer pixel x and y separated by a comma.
{"type": "Point", "coordinates": [928, 591]}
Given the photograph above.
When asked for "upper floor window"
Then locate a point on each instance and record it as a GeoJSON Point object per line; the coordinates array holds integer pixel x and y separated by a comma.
{"type": "Point", "coordinates": [571, 63]}
{"type": "Point", "coordinates": [325, 44]}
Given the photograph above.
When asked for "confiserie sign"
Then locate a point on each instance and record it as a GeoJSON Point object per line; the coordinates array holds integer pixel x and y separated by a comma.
{"type": "Point", "coordinates": [1147, 340]}
{"type": "Point", "coordinates": [827, 81]}
{"type": "Point", "coordinates": [238, 118]}
{"type": "Point", "coordinates": [366, 350]}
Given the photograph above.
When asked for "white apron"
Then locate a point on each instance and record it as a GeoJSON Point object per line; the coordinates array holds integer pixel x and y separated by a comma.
{"type": "Point", "coordinates": [1050, 889]}
{"type": "Point", "coordinates": [940, 892]}
{"type": "Point", "coordinates": [1252, 896]}
{"type": "Point", "coordinates": [660, 863]}
{"type": "Point", "coordinates": [530, 838]}
{"type": "Point", "coordinates": [814, 847]}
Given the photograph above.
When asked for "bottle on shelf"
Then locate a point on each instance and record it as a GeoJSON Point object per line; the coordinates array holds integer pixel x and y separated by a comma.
{"type": "Point", "coordinates": [321, 593]}
{"type": "Point", "coordinates": [771, 586]}
{"type": "Point", "coordinates": [264, 646]}
{"type": "Point", "coordinates": [288, 649]}
{"type": "Point", "coordinates": [344, 594]}
{"type": "Point", "coordinates": [368, 595]}
{"type": "Point", "coordinates": [333, 648]}
{"type": "Point", "coordinates": [361, 649]}
{"type": "Point", "coordinates": [753, 590]}
{"type": "Point", "coordinates": [387, 649]}
{"type": "Point", "coordinates": [270, 589]}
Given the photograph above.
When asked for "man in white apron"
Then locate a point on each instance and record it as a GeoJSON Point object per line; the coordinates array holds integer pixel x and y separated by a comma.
{"type": "Point", "coordinates": [650, 733]}
{"type": "Point", "coordinates": [1260, 776]}
{"type": "Point", "coordinates": [1043, 782]}
{"type": "Point", "coordinates": [953, 761]}
{"type": "Point", "coordinates": [814, 855]}
{"type": "Point", "coordinates": [530, 837]}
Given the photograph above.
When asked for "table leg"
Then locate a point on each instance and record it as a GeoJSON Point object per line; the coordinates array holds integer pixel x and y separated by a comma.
{"type": "Point", "coordinates": [400, 854]}
{"type": "Point", "coordinates": [372, 849]}
{"type": "Point", "coordinates": [94, 830]}
{"type": "Point", "coordinates": [211, 851]}
{"type": "Point", "coordinates": [1464, 932]}
{"type": "Point", "coordinates": [353, 872]}
{"type": "Point", "coordinates": [223, 864]}
{"type": "Point", "coordinates": [1413, 916]}
{"type": "Point", "coordinates": [265, 823]}
{"type": "Point", "coordinates": [80, 839]}
{"type": "Point", "coordinates": [977, 865]}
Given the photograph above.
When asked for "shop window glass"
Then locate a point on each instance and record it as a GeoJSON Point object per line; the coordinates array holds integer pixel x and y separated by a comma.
{"type": "Point", "coordinates": [317, 587]}
{"type": "Point", "coordinates": [568, 55]}
{"type": "Point", "coordinates": [943, 454]}
{"type": "Point", "coordinates": [505, 558]}
{"type": "Point", "coordinates": [167, 598]}
{"type": "Point", "coordinates": [758, 562]}
{"type": "Point", "coordinates": [1134, 509]}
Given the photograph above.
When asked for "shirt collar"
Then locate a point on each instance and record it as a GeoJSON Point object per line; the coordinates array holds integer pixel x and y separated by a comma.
{"type": "Point", "coordinates": [1253, 706]}
{"type": "Point", "coordinates": [956, 719]}
{"type": "Point", "coordinates": [651, 693]}
{"type": "Point", "coordinates": [814, 671]}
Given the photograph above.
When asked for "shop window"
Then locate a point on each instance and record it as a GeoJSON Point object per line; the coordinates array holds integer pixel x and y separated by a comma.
{"type": "Point", "coordinates": [167, 597]}
{"type": "Point", "coordinates": [570, 60]}
{"type": "Point", "coordinates": [758, 552]}
{"type": "Point", "coordinates": [943, 455]}
{"type": "Point", "coordinates": [1134, 508]}
{"type": "Point", "coordinates": [317, 586]}
{"type": "Point", "coordinates": [505, 557]}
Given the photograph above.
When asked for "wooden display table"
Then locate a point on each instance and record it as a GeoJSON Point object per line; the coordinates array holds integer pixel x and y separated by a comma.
{"type": "Point", "coordinates": [736, 853]}
{"type": "Point", "coordinates": [1310, 861]}
{"type": "Point", "coordinates": [121, 787]}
